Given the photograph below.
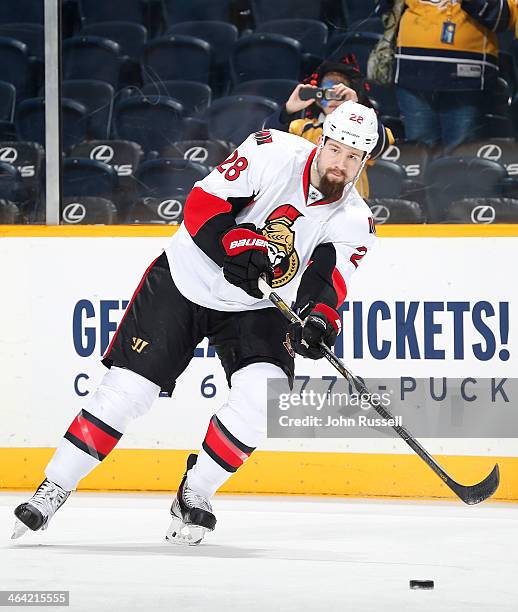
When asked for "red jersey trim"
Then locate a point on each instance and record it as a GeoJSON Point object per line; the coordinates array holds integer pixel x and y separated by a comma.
{"type": "Point", "coordinates": [201, 207]}
{"type": "Point", "coordinates": [340, 287]}
{"type": "Point", "coordinates": [306, 173]}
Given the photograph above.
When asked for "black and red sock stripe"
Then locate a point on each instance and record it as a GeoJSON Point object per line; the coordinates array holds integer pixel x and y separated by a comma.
{"type": "Point", "coordinates": [226, 450]}
{"type": "Point", "coordinates": [92, 435]}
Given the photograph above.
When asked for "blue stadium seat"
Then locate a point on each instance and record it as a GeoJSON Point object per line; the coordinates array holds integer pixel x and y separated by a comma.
{"type": "Point", "coordinates": [234, 118]}
{"type": "Point", "coordinates": [385, 99]}
{"type": "Point", "coordinates": [85, 210]}
{"type": "Point", "coordinates": [194, 97]}
{"type": "Point", "coordinates": [311, 34]}
{"type": "Point", "coordinates": [386, 180]}
{"type": "Point", "coordinates": [32, 34]}
{"type": "Point", "coordinates": [30, 121]}
{"type": "Point", "coordinates": [209, 153]}
{"type": "Point", "coordinates": [266, 10]}
{"type": "Point", "coordinates": [85, 57]}
{"type": "Point", "coordinates": [395, 211]}
{"type": "Point", "coordinates": [131, 37]}
{"type": "Point", "coordinates": [221, 36]}
{"type": "Point", "coordinates": [161, 211]}
{"type": "Point", "coordinates": [7, 101]}
{"type": "Point", "coordinates": [278, 90]}
{"type": "Point", "coordinates": [359, 43]}
{"type": "Point", "coordinates": [153, 122]}
{"type": "Point", "coordinates": [15, 67]}
{"type": "Point", "coordinates": [355, 10]}
{"type": "Point", "coordinates": [165, 178]}
{"type": "Point", "coordinates": [21, 11]}
{"type": "Point", "coordinates": [86, 177]}
{"type": "Point", "coordinates": [502, 150]}
{"type": "Point", "coordinates": [197, 10]}
{"type": "Point", "coordinates": [171, 58]}
{"type": "Point", "coordinates": [449, 179]}
{"type": "Point", "coordinates": [266, 56]}
{"type": "Point", "coordinates": [483, 211]}
{"type": "Point", "coordinates": [97, 98]}
{"type": "Point", "coordinates": [28, 158]}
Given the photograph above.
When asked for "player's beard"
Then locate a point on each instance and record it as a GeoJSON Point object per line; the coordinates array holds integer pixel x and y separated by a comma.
{"type": "Point", "coordinates": [332, 187]}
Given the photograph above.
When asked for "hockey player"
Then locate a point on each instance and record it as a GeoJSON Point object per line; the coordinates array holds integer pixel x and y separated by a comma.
{"type": "Point", "coordinates": [278, 207]}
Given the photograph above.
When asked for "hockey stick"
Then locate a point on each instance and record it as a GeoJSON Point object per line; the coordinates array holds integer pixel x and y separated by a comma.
{"type": "Point", "coordinates": [469, 494]}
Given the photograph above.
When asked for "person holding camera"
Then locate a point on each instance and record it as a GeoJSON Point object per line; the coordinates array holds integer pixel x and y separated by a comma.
{"type": "Point", "coordinates": [324, 91]}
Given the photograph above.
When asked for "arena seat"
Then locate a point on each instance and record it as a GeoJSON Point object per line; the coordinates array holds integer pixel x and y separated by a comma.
{"type": "Point", "coordinates": [97, 98]}
{"type": "Point", "coordinates": [395, 210]}
{"type": "Point", "coordinates": [278, 90]}
{"type": "Point", "coordinates": [15, 67]}
{"type": "Point", "coordinates": [7, 101]}
{"type": "Point", "coordinates": [483, 211]}
{"type": "Point", "coordinates": [359, 43]}
{"type": "Point", "coordinates": [385, 99]}
{"type": "Point", "coordinates": [88, 178]}
{"type": "Point", "coordinates": [449, 179]}
{"type": "Point", "coordinates": [31, 34]}
{"type": "Point", "coordinates": [210, 153]}
{"type": "Point", "coordinates": [176, 58]}
{"type": "Point", "coordinates": [87, 56]}
{"type": "Point", "coordinates": [164, 210]}
{"type": "Point", "coordinates": [10, 182]}
{"type": "Point", "coordinates": [153, 122]}
{"type": "Point", "coordinates": [501, 150]}
{"type": "Point", "coordinates": [168, 178]}
{"type": "Point", "coordinates": [386, 179]}
{"type": "Point", "coordinates": [311, 33]}
{"type": "Point", "coordinates": [234, 118]}
{"type": "Point", "coordinates": [411, 156]}
{"type": "Point", "coordinates": [194, 97]}
{"type": "Point", "coordinates": [84, 210]}
{"type": "Point", "coordinates": [30, 121]}
{"type": "Point", "coordinates": [221, 36]}
{"type": "Point", "coordinates": [28, 158]}
{"type": "Point", "coordinates": [131, 37]}
{"type": "Point", "coordinates": [266, 56]}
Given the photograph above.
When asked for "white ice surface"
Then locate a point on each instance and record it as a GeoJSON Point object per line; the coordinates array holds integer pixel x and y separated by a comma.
{"type": "Point", "coordinates": [269, 553]}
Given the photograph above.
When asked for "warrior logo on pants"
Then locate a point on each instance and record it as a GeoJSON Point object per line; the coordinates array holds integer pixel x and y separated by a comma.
{"type": "Point", "coordinates": [281, 243]}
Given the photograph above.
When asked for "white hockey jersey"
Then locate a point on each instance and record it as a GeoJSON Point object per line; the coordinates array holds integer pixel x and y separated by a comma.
{"type": "Point", "coordinates": [266, 181]}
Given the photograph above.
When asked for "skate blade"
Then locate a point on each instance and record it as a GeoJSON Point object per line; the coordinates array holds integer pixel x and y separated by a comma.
{"type": "Point", "coordinates": [186, 535]}
{"type": "Point", "coordinates": [19, 529]}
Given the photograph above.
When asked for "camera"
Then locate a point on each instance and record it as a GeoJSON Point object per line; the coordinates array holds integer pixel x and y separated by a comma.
{"type": "Point", "coordinates": [319, 94]}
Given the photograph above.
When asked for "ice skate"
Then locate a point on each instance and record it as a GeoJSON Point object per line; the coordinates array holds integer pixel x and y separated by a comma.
{"type": "Point", "coordinates": [36, 513]}
{"type": "Point", "coordinates": [191, 512]}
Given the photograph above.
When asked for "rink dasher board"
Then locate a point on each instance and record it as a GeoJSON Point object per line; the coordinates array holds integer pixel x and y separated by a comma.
{"type": "Point", "coordinates": [46, 379]}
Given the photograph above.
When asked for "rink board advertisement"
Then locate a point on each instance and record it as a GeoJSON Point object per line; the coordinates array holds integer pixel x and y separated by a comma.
{"type": "Point", "coordinates": [428, 304]}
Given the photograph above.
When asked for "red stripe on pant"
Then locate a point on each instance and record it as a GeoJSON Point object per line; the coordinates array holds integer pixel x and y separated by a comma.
{"type": "Point", "coordinates": [91, 435]}
{"type": "Point", "coordinates": [223, 448]}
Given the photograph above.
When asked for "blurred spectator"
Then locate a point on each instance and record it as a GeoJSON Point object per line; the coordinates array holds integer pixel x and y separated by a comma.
{"type": "Point", "coordinates": [344, 78]}
{"type": "Point", "coordinates": [447, 61]}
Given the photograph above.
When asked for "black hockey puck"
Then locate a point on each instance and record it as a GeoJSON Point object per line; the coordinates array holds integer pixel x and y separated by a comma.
{"type": "Point", "coordinates": [421, 584]}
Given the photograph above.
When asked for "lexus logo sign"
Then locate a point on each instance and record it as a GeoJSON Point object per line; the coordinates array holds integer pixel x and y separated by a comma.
{"type": "Point", "coordinates": [380, 213]}
{"type": "Point", "coordinates": [483, 215]}
{"type": "Point", "coordinates": [490, 151]}
{"type": "Point", "coordinates": [102, 153]}
{"type": "Point", "coordinates": [74, 213]}
{"type": "Point", "coordinates": [169, 210]}
{"type": "Point", "coordinates": [391, 154]}
{"type": "Point", "coordinates": [8, 155]}
{"type": "Point", "coordinates": [196, 154]}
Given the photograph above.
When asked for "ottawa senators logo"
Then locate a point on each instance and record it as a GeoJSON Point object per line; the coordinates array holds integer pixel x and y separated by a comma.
{"type": "Point", "coordinates": [281, 243]}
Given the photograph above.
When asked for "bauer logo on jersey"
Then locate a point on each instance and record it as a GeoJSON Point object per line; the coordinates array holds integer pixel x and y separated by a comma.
{"type": "Point", "coordinates": [281, 243]}
{"type": "Point", "coordinates": [263, 137]}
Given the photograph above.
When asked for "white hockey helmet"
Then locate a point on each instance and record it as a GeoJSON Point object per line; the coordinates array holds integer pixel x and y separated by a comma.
{"type": "Point", "coordinates": [353, 124]}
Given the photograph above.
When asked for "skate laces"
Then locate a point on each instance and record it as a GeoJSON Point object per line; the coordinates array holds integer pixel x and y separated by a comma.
{"type": "Point", "coordinates": [49, 497]}
{"type": "Point", "coordinates": [195, 500]}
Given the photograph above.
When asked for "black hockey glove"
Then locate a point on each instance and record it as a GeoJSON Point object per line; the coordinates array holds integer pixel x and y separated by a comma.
{"type": "Point", "coordinates": [320, 322]}
{"type": "Point", "coordinates": [246, 258]}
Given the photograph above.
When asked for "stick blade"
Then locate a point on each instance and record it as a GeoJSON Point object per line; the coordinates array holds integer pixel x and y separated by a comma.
{"type": "Point", "coordinates": [474, 494]}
